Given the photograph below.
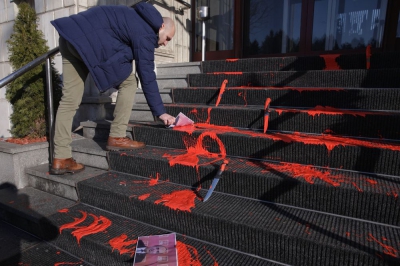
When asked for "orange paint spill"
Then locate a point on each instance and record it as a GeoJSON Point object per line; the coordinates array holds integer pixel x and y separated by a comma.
{"type": "Point", "coordinates": [266, 114]}
{"type": "Point", "coordinates": [307, 172]}
{"type": "Point", "coordinates": [243, 95]}
{"type": "Point", "coordinates": [143, 197]}
{"type": "Point", "coordinates": [195, 112]}
{"type": "Point", "coordinates": [179, 200]}
{"type": "Point", "coordinates": [330, 61]}
{"type": "Point", "coordinates": [318, 110]}
{"type": "Point", "coordinates": [221, 92]}
{"type": "Point", "coordinates": [227, 73]}
{"type": "Point", "coordinates": [154, 181]}
{"type": "Point", "coordinates": [63, 211]}
{"type": "Point", "coordinates": [123, 245]}
{"type": "Point", "coordinates": [391, 251]}
{"type": "Point", "coordinates": [26, 140]}
{"type": "Point", "coordinates": [215, 261]}
{"type": "Point", "coordinates": [187, 255]}
{"type": "Point", "coordinates": [232, 60]}
{"type": "Point", "coordinates": [191, 158]}
{"type": "Point", "coordinates": [98, 225]}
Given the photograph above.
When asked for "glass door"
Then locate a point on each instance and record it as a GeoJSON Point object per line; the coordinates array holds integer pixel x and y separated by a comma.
{"type": "Point", "coordinates": [271, 27]}
{"type": "Point", "coordinates": [219, 30]}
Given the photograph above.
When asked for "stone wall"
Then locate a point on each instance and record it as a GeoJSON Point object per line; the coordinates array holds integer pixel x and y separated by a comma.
{"type": "Point", "coordinates": [178, 50]}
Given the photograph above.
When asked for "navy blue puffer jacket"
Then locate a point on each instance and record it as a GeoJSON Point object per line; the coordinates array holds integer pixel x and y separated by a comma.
{"type": "Point", "coordinates": [109, 38]}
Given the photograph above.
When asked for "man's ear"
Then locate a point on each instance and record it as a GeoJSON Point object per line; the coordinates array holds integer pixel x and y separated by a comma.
{"type": "Point", "coordinates": [162, 26]}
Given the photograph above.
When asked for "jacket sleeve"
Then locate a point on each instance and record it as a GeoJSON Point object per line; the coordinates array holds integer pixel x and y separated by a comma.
{"type": "Point", "coordinates": [144, 60]}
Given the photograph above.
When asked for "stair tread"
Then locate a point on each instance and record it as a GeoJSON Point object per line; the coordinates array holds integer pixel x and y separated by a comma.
{"type": "Point", "coordinates": [268, 219]}
{"type": "Point", "coordinates": [32, 203]}
{"type": "Point", "coordinates": [100, 249]}
{"type": "Point", "coordinates": [71, 180]}
{"type": "Point", "coordinates": [354, 194]}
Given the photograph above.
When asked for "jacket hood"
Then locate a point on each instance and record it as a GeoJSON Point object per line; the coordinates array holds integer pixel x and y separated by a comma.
{"type": "Point", "coordinates": [149, 14]}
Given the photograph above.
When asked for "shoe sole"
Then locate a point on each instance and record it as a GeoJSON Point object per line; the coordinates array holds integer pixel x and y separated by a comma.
{"type": "Point", "coordinates": [114, 148]}
{"type": "Point", "coordinates": [64, 171]}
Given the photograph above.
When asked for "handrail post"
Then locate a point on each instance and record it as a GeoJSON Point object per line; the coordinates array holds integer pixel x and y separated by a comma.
{"type": "Point", "coordinates": [50, 108]}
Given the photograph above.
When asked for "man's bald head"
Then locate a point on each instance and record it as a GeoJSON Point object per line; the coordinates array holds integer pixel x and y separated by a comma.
{"type": "Point", "coordinates": [166, 32]}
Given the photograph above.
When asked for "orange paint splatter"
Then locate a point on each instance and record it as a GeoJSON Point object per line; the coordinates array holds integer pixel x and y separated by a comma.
{"type": "Point", "coordinates": [154, 181]}
{"type": "Point", "coordinates": [123, 245]}
{"type": "Point", "coordinates": [266, 114]}
{"type": "Point", "coordinates": [330, 61]}
{"type": "Point", "coordinates": [388, 250]}
{"type": "Point", "coordinates": [195, 112]}
{"type": "Point", "coordinates": [191, 158]}
{"type": "Point", "coordinates": [187, 255]}
{"type": "Point", "coordinates": [182, 200]}
{"type": "Point", "coordinates": [318, 110]}
{"type": "Point", "coordinates": [221, 92]}
{"type": "Point", "coordinates": [243, 95]}
{"type": "Point", "coordinates": [215, 261]}
{"type": "Point", "coordinates": [143, 197]}
{"type": "Point", "coordinates": [227, 73]}
{"type": "Point", "coordinates": [75, 222]}
{"type": "Point", "coordinates": [368, 54]}
{"type": "Point", "coordinates": [98, 225]}
{"type": "Point", "coordinates": [63, 211]}
{"type": "Point", "coordinates": [232, 60]}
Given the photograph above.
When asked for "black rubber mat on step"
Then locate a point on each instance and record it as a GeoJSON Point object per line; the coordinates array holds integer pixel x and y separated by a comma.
{"type": "Point", "coordinates": [368, 197]}
{"type": "Point", "coordinates": [377, 78]}
{"type": "Point", "coordinates": [347, 98]}
{"type": "Point", "coordinates": [43, 254]}
{"type": "Point", "coordinates": [115, 244]}
{"type": "Point", "coordinates": [353, 61]}
{"type": "Point", "coordinates": [317, 120]}
{"type": "Point", "coordinates": [315, 150]}
{"type": "Point", "coordinates": [280, 233]}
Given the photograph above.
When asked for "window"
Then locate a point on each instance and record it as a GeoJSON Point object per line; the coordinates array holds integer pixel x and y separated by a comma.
{"type": "Point", "coordinates": [348, 24]}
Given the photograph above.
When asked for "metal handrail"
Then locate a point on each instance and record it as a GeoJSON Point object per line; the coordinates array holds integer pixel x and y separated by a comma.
{"type": "Point", "coordinates": [49, 87]}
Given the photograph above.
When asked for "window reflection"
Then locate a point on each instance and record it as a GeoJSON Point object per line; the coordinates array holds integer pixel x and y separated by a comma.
{"type": "Point", "coordinates": [271, 26]}
{"type": "Point", "coordinates": [348, 24]}
{"type": "Point", "coordinates": [219, 28]}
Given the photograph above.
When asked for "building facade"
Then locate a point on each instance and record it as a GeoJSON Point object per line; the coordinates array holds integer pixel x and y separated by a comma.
{"type": "Point", "coordinates": [236, 29]}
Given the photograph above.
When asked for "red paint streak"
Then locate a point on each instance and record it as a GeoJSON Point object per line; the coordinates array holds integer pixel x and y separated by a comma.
{"type": "Point", "coordinates": [208, 115]}
{"type": "Point", "coordinates": [221, 92]}
{"type": "Point", "coordinates": [195, 112]}
{"type": "Point", "coordinates": [188, 129]}
{"type": "Point", "coordinates": [227, 73]}
{"type": "Point", "coordinates": [318, 110]}
{"type": "Point", "coordinates": [357, 187]}
{"type": "Point", "coordinates": [330, 61]}
{"type": "Point", "coordinates": [99, 224]}
{"type": "Point", "coordinates": [308, 229]}
{"type": "Point", "coordinates": [348, 234]}
{"type": "Point", "coordinates": [124, 154]}
{"type": "Point", "coordinates": [143, 197]}
{"type": "Point", "coordinates": [123, 183]}
{"type": "Point", "coordinates": [74, 223]}
{"type": "Point", "coordinates": [58, 252]}
{"type": "Point", "coordinates": [307, 172]}
{"type": "Point", "coordinates": [67, 263]}
{"type": "Point", "coordinates": [187, 255]}
{"type": "Point", "coordinates": [388, 249]}
{"type": "Point", "coordinates": [123, 245]}
{"type": "Point", "coordinates": [368, 54]}
{"type": "Point", "coordinates": [243, 95]}
{"type": "Point", "coordinates": [182, 200]}
{"type": "Point", "coordinates": [154, 181]}
{"type": "Point", "coordinates": [232, 60]}
{"type": "Point", "coordinates": [191, 158]}
{"type": "Point", "coordinates": [63, 211]}
{"type": "Point", "coordinates": [215, 261]}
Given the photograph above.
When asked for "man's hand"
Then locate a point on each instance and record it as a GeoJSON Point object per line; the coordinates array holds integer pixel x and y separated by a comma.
{"type": "Point", "coordinates": [167, 119]}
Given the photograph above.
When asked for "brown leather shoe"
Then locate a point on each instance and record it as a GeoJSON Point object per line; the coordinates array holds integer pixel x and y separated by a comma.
{"type": "Point", "coordinates": [121, 144]}
{"type": "Point", "coordinates": [63, 166]}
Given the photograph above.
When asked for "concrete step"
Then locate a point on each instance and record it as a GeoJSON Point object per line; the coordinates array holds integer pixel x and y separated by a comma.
{"type": "Point", "coordinates": [61, 185]}
{"type": "Point", "coordinates": [176, 80]}
{"type": "Point", "coordinates": [179, 68]}
{"type": "Point", "coordinates": [28, 209]}
{"type": "Point", "coordinates": [165, 96]}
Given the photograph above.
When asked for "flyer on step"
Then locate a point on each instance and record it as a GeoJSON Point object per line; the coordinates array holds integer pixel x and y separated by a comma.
{"type": "Point", "coordinates": [157, 250]}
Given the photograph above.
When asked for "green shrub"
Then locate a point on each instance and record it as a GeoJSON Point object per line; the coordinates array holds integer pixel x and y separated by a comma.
{"type": "Point", "coordinates": [27, 93]}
